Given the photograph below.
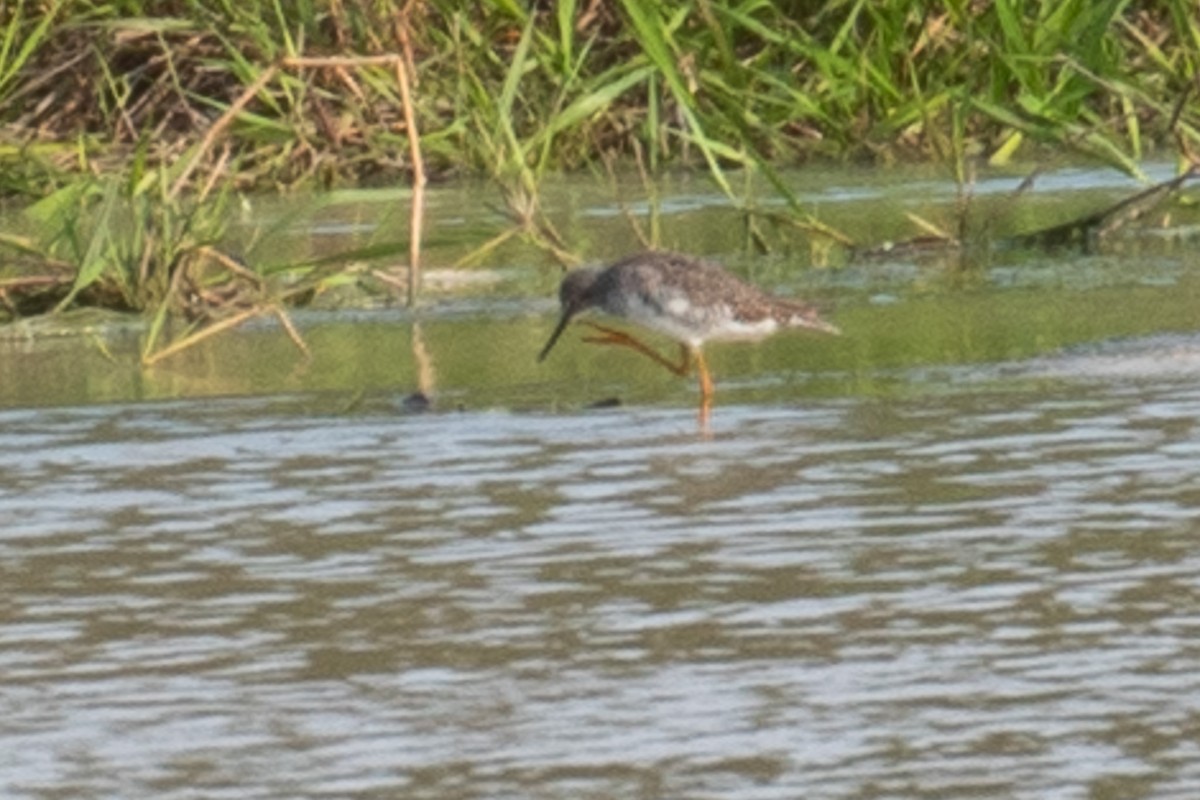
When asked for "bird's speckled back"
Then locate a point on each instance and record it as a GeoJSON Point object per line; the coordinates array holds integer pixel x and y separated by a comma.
{"type": "Point", "coordinates": [679, 294]}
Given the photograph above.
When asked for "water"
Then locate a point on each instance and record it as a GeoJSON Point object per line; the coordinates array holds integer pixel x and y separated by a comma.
{"type": "Point", "coordinates": [951, 554]}
{"type": "Point", "coordinates": [984, 594]}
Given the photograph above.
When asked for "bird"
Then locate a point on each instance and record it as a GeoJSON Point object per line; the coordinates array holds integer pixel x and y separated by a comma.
{"type": "Point", "coordinates": [687, 299]}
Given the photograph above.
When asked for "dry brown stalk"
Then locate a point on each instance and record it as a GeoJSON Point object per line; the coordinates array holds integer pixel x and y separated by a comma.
{"type": "Point", "coordinates": [416, 221]}
{"type": "Point", "coordinates": [417, 213]}
{"type": "Point", "coordinates": [217, 128]}
{"type": "Point", "coordinates": [201, 335]}
{"type": "Point", "coordinates": [292, 333]}
{"type": "Point", "coordinates": [300, 62]}
{"type": "Point", "coordinates": [231, 265]}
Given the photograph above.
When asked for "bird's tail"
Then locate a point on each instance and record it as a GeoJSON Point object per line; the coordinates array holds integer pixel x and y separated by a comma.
{"type": "Point", "coordinates": [802, 316]}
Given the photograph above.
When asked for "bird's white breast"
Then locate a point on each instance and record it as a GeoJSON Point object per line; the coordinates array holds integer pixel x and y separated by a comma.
{"type": "Point", "coordinates": [683, 321]}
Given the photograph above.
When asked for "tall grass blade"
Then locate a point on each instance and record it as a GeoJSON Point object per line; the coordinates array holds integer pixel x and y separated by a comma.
{"type": "Point", "coordinates": [645, 18]}
{"type": "Point", "coordinates": [11, 63]}
{"type": "Point", "coordinates": [566, 32]}
{"type": "Point", "coordinates": [98, 254]}
{"type": "Point", "coordinates": [512, 81]}
{"type": "Point", "coordinates": [592, 103]}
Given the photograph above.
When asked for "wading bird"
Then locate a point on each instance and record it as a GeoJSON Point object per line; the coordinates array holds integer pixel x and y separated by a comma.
{"type": "Point", "coordinates": [684, 298]}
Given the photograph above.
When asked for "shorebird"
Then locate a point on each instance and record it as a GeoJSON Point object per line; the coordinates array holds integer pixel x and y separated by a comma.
{"type": "Point", "coordinates": [687, 299]}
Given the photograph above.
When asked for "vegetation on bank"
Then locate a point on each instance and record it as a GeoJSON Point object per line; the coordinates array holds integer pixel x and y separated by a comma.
{"type": "Point", "coordinates": [82, 83]}
{"type": "Point", "coordinates": [126, 125]}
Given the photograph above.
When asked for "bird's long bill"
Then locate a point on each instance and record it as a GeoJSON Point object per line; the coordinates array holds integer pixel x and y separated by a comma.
{"type": "Point", "coordinates": [562, 325]}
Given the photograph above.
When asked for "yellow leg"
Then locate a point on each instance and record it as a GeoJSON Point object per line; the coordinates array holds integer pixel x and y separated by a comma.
{"type": "Point", "coordinates": [686, 355]}
{"type": "Point", "coordinates": [622, 339]}
{"type": "Point", "coordinates": [706, 384]}
{"type": "Point", "coordinates": [706, 392]}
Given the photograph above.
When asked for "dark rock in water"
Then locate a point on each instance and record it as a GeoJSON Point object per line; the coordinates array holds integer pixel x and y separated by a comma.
{"type": "Point", "coordinates": [416, 403]}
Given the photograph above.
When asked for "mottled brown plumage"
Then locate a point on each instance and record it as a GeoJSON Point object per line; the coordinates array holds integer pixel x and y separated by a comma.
{"type": "Point", "coordinates": [689, 300]}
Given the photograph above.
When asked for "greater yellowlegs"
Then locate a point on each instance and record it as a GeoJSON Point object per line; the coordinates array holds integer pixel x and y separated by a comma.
{"type": "Point", "coordinates": [689, 300]}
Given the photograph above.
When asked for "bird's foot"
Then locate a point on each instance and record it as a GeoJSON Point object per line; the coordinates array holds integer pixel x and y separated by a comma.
{"type": "Point", "coordinates": [612, 336]}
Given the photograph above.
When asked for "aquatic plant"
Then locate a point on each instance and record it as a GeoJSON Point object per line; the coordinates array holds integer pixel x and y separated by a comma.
{"type": "Point", "coordinates": [514, 89]}
{"type": "Point", "coordinates": [124, 243]}
{"type": "Point", "coordinates": [125, 124]}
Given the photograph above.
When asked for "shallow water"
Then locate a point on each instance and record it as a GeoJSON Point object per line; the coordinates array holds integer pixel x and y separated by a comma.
{"type": "Point", "coordinates": [952, 553]}
{"type": "Point", "coordinates": [984, 594]}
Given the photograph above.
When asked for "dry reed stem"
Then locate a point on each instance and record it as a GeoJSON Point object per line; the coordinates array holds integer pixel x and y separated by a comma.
{"type": "Point", "coordinates": [417, 215]}
{"type": "Point", "coordinates": [232, 265]}
{"type": "Point", "coordinates": [416, 221]}
{"type": "Point", "coordinates": [218, 127]}
{"type": "Point", "coordinates": [34, 282]}
{"type": "Point", "coordinates": [292, 333]}
{"type": "Point", "coordinates": [201, 335]}
{"type": "Point", "coordinates": [226, 324]}
{"type": "Point", "coordinates": [477, 255]}
{"type": "Point", "coordinates": [217, 171]}
{"type": "Point", "coordinates": [351, 85]}
{"type": "Point", "coordinates": [930, 228]}
{"type": "Point", "coordinates": [301, 62]}
{"type": "Point", "coordinates": [384, 277]}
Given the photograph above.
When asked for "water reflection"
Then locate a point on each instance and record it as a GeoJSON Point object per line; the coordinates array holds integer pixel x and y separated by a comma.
{"type": "Point", "coordinates": [949, 554]}
{"type": "Point", "coordinates": [972, 593]}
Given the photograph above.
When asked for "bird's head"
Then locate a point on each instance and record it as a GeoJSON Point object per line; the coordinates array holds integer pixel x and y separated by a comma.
{"type": "Point", "coordinates": [574, 295]}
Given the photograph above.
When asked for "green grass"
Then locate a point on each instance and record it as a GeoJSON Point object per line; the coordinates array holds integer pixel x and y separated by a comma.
{"type": "Point", "coordinates": [512, 89]}
{"type": "Point", "coordinates": [125, 125]}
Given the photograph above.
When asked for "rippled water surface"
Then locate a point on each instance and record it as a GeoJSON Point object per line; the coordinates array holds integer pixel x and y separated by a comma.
{"type": "Point", "coordinates": [951, 554]}
{"type": "Point", "coordinates": [980, 594]}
